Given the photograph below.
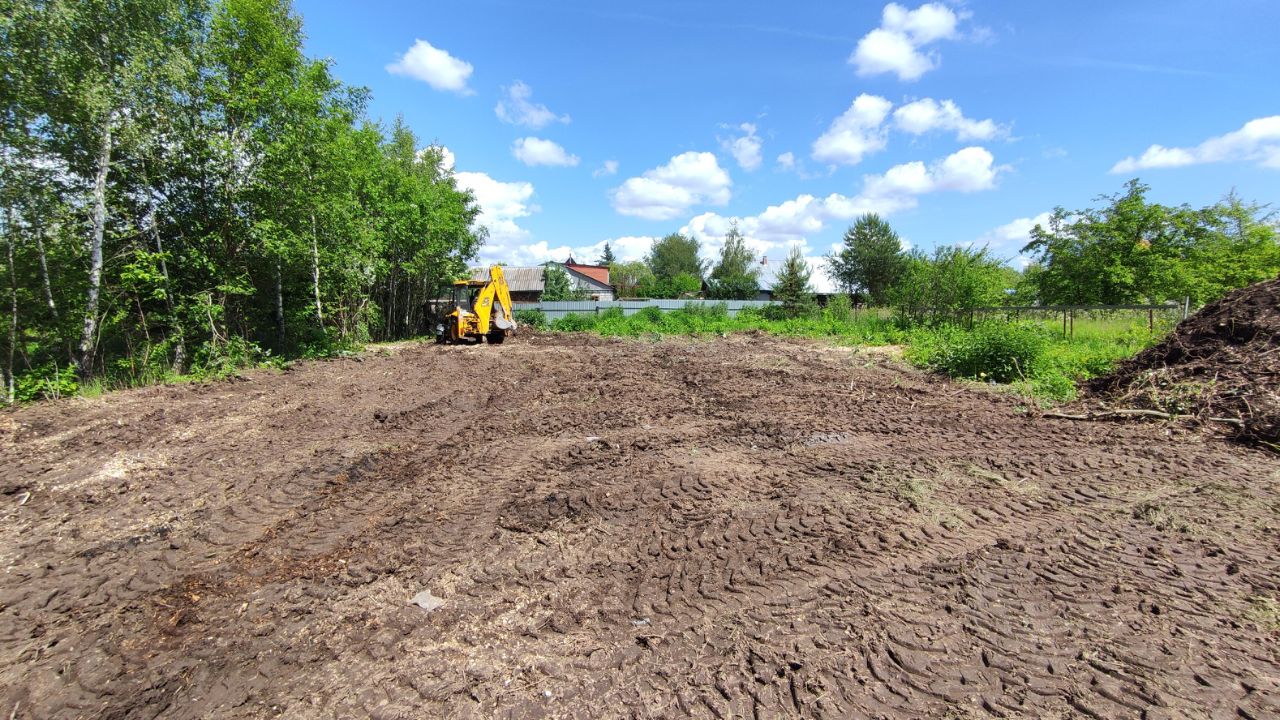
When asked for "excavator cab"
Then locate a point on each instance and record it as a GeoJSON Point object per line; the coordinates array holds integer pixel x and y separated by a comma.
{"type": "Point", "coordinates": [481, 310]}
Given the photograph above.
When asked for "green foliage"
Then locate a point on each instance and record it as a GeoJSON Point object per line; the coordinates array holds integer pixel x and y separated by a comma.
{"type": "Point", "coordinates": [1047, 365]}
{"type": "Point", "coordinates": [995, 351]}
{"type": "Point", "coordinates": [531, 317]}
{"type": "Point", "coordinates": [872, 259]}
{"type": "Point", "coordinates": [556, 285]}
{"type": "Point", "coordinates": [606, 258]}
{"type": "Point", "coordinates": [791, 285]}
{"type": "Point", "coordinates": [1131, 250]}
{"type": "Point", "coordinates": [713, 319]}
{"type": "Point", "coordinates": [945, 286]}
{"type": "Point", "coordinates": [247, 203]}
{"type": "Point", "coordinates": [734, 287]}
{"type": "Point", "coordinates": [680, 286]}
{"type": "Point", "coordinates": [735, 275]}
{"type": "Point", "coordinates": [839, 307]}
{"type": "Point", "coordinates": [627, 277]}
{"type": "Point", "coordinates": [673, 256]}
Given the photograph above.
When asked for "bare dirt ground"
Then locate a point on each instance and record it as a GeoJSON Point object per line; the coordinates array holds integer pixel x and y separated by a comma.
{"type": "Point", "coordinates": [743, 527]}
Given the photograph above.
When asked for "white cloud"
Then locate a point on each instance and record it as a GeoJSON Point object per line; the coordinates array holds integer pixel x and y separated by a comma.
{"type": "Point", "coordinates": [501, 205]}
{"type": "Point", "coordinates": [446, 155]}
{"type": "Point", "coordinates": [926, 115]}
{"type": "Point", "coordinates": [691, 178]}
{"type": "Point", "coordinates": [625, 249]}
{"type": "Point", "coordinates": [899, 188]}
{"type": "Point", "coordinates": [1008, 240]}
{"type": "Point", "coordinates": [858, 132]}
{"type": "Point", "coordinates": [517, 108]}
{"type": "Point", "coordinates": [745, 148]}
{"type": "Point", "coordinates": [537, 151]}
{"type": "Point", "coordinates": [610, 167]}
{"type": "Point", "coordinates": [787, 161]}
{"type": "Point", "coordinates": [433, 66]}
{"type": "Point", "coordinates": [1257, 142]}
{"type": "Point", "coordinates": [897, 45]}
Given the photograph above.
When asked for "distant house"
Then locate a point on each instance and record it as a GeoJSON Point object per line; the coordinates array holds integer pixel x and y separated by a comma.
{"type": "Point", "coordinates": [822, 286]}
{"type": "Point", "coordinates": [526, 281]}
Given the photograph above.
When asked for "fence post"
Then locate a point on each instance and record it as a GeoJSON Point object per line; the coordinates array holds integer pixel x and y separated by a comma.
{"type": "Point", "coordinates": [1073, 324]}
{"type": "Point", "coordinates": [1064, 323]}
{"type": "Point", "coordinates": [1151, 319]}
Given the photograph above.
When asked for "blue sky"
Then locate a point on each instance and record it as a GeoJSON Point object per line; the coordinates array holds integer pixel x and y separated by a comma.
{"type": "Point", "coordinates": [581, 121]}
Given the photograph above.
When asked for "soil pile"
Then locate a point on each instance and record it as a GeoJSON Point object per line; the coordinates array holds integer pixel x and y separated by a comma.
{"type": "Point", "coordinates": [1223, 362]}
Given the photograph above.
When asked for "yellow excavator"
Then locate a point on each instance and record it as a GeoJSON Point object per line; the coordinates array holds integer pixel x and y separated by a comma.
{"type": "Point", "coordinates": [479, 310]}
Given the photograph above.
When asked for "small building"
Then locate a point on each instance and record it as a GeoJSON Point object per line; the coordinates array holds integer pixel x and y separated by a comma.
{"type": "Point", "coordinates": [526, 282]}
{"type": "Point", "coordinates": [823, 287]}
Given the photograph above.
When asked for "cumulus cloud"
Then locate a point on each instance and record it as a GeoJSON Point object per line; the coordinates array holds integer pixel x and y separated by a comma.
{"type": "Point", "coordinates": [927, 115]}
{"type": "Point", "coordinates": [691, 178]}
{"type": "Point", "coordinates": [794, 221]}
{"type": "Point", "coordinates": [610, 167]}
{"type": "Point", "coordinates": [625, 249]}
{"type": "Point", "coordinates": [1257, 142]}
{"type": "Point", "coordinates": [537, 151]}
{"type": "Point", "coordinates": [1008, 240]}
{"type": "Point", "coordinates": [433, 66]}
{"type": "Point", "coordinates": [787, 161]}
{"type": "Point", "coordinates": [517, 108]}
{"type": "Point", "coordinates": [897, 46]}
{"type": "Point", "coordinates": [857, 133]}
{"type": "Point", "coordinates": [444, 153]}
{"type": "Point", "coordinates": [501, 205]}
{"type": "Point", "coordinates": [745, 148]}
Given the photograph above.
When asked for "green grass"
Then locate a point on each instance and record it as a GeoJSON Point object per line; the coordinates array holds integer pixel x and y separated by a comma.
{"type": "Point", "coordinates": [863, 328]}
{"type": "Point", "coordinates": [1030, 356]}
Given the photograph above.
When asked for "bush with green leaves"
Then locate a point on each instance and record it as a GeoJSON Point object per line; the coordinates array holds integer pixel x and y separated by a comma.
{"type": "Point", "coordinates": [998, 352]}
{"type": "Point", "coordinates": [532, 318]}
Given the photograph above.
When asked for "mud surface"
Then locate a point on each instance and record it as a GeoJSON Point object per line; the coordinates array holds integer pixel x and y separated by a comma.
{"type": "Point", "coordinates": [1223, 361]}
{"type": "Point", "coordinates": [732, 528]}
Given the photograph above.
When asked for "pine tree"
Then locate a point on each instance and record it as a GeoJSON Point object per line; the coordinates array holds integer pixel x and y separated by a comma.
{"type": "Point", "coordinates": [791, 287]}
{"type": "Point", "coordinates": [607, 258]}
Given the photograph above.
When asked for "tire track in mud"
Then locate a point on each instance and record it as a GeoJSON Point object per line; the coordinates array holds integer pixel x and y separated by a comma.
{"type": "Point", "coordinates": [708, 529]}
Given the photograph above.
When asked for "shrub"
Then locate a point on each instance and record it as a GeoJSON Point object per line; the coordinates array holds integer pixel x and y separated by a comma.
{"type": "Point", "coordinates": [991, 351]}
{"type": "Point", "coordinates": [839, 308]}
{"type": "Point", "coordinates": [575, 322]}
{"type": "Point", "coordinates": [531, 317]}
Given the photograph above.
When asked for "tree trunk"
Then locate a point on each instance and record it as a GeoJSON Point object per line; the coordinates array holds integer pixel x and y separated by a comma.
{"type": "Point", "coordinates": [84, 363]}
{"type": "Point", "coordinates": [315, 271]}
{"type": "Point", "coordinates": [180, 349]}
{"type": "Point", "coordinates": [44, 274]}
{"type": "Point", "coordinates": [280, 334]}
{"type": "Point", "coordinates": [10, 394]}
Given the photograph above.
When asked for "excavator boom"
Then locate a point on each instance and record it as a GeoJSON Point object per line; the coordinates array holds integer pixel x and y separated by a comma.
{"type": "Point", "coordinates": [481, 311]}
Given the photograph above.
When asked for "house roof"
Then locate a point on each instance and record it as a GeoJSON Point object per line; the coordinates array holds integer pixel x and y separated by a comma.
{"type": "Point", "coordinates": [530, 279]}
{"type": "Point", "coordinates": [818, 278]}
{"type": "Point", "coordinates": [599, 273]}
{"type": "Point", "coordinates": [519, 279]}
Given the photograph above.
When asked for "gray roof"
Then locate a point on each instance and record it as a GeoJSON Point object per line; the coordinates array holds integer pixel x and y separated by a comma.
{"type": "Point", "coordinates": [530, 279]}
{"type": "Point", "coordinates": [519, 279]}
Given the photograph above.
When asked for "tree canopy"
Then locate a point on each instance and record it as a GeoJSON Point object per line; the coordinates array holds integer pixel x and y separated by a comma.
{"type": "Point", "coordinates": [791, 285]}
{"type": "Point", "coordinates": [1131, 250]}
{"type": "Point", "coordinates": [871, 260]}
{"type": "Point", "coordinates": [675, 255]}
{"type": "Point", "coordinates": [735, 275]}
{"type": "Point", "coordinates": [182, 188]}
